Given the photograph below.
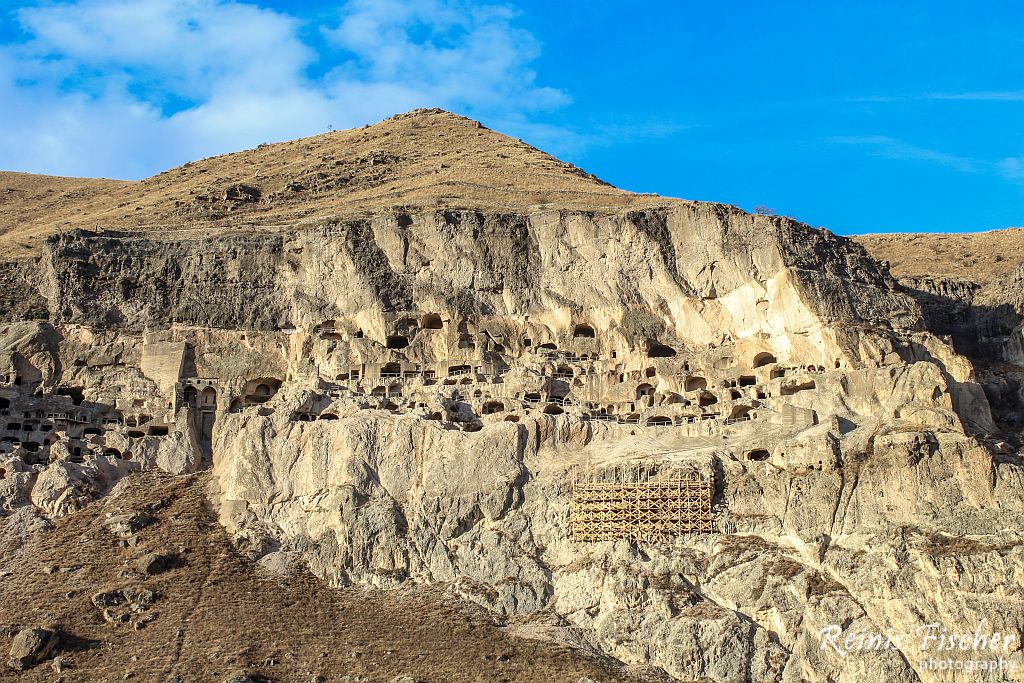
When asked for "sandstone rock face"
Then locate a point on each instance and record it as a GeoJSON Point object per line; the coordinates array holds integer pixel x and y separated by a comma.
{"type": "Point", "coordinates": [414, 395]}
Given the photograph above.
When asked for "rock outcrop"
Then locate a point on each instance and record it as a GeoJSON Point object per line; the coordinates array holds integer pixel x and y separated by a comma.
{"type": "Point", "coordinates": [411, 394]}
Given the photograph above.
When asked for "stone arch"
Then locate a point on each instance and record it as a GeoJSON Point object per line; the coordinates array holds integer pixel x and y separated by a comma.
{"type": "Point", "coordinates": [758, 454]}
{"type": "Point", "coordinates": [583, 331]}
{"type": "Point", "coordinates": [396, 341]}
{"type": "Point", "coordinates": [431, 321]}
{"type": "Point", "coordinates": [707, 399]}
{"type": "Point", "coordinates": [764, 358]}
{"type": "Point", "coordinates": [659, 421]}
{"type": "Point", "coordinates": [644, 390]}
{"type": "Point", "coordinates": [695, 383]}
{"type": "Point", "coordinates": [260, 390]}
{"type": "Point", "coordinates": [740, 412]}
{"type": "Point", "coordinates": [491, 407]}
{"type": "Point", "coordinates": [76, 394]}
{"type": "Point", "coordinates": [553, 409]}
{"type": "Point", "coordinates": [657, 350]}
{"type": "Point", "coordinates": [191, 395]}
{"type": "Point", "coordinates": [208, 399]}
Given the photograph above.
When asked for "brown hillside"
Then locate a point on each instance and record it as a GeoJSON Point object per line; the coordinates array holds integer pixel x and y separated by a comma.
{"type": "Point", "coordinates": [981, 257]}
{"type": "Point", "coordinates": [212, 614]}
{"type": "Point", "coordinates": [32, 205]}
{"type": "Point", "coordinates": [422, 159]}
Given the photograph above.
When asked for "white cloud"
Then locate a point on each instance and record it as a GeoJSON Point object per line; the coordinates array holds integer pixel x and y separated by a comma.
{"type": "Point", "coordinates": [1012, 169]}
{"type": "Point", "coordinates": [455, 50]}
{"type": "Point", "coordinates": [186, 47]}
{"type": "Point", "coordinates": [980, 96]}
{"type": "Point", "coordinates": [125, 88]}
{"type": "Point", "coordinates": [969, 96]}
{"type": "Point", "coordinates": [893, 148]}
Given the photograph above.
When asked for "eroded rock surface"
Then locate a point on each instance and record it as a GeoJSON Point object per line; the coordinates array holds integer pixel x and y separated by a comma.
{"type": "Point", "coordinates": [407, 397]}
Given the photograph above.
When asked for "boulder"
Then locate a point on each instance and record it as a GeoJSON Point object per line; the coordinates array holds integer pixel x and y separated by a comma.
{"type": "Point", "coordinates": [155, 563]}
{"type": "Point", "coordinates": [32, 646]}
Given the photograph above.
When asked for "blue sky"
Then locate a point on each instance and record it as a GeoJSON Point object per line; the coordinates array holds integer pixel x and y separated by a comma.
{"type": "Point", "coordinates": [861, 117]}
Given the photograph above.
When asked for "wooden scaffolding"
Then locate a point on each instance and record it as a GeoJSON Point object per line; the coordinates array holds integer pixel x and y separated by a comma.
{"type": "Point", "coordinates": [640, 502]}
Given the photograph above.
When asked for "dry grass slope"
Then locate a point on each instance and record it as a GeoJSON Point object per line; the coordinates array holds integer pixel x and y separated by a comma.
{"type": "Point", "coordinates": [982, 257]}
{"type": "Point", "coordinates": [423, 159]}
{"type": "Point", "coordinates": [215, 614]}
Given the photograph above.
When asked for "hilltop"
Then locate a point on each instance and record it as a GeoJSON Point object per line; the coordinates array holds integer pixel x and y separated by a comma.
{"type": "Point", "coordinates": [424, 159]}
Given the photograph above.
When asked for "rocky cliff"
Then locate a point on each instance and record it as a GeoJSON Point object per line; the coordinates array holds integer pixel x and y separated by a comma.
{"type": "Point", "coordinates": [415, 383]}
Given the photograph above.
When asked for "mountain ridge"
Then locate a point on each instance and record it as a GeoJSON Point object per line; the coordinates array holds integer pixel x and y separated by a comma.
{"type": "Point", "coordinates": [426, 158]}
